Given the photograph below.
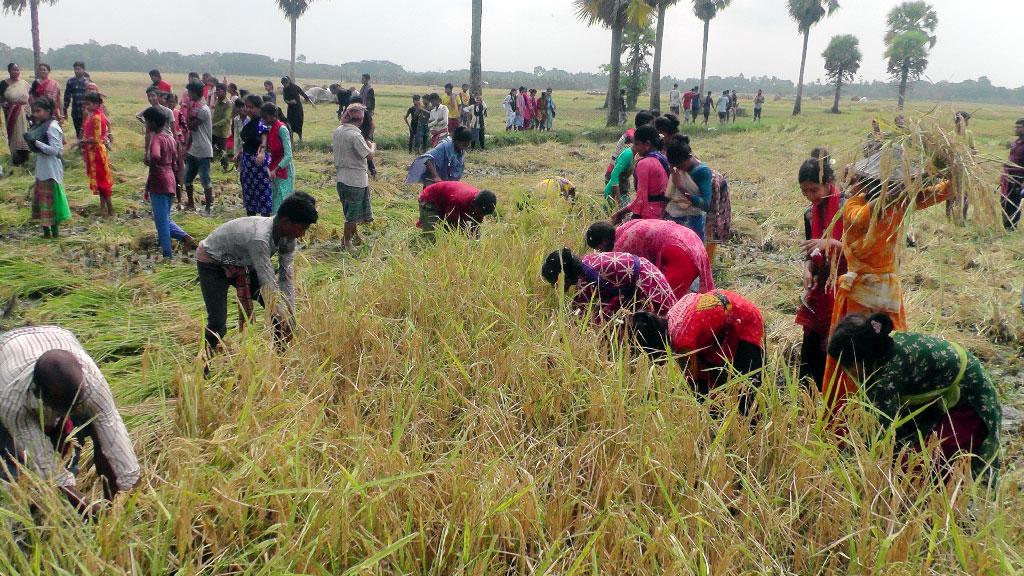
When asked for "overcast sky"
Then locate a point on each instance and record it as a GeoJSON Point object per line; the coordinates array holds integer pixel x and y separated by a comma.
{"type": "Point", "coordinates": [753, 37]}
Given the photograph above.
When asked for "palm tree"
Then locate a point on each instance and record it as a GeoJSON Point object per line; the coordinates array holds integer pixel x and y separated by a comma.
{"type": "Point", "coordinates": [842, 60]}
{"type": "Point", "coordinates": [16, 7]}
{"type": "Point", "coordinates": [293, 10]}
{"type": "Point", "coordinates": [475, 73]}
{"type": "Point", "coordinates": [807, 13]}
{"type": "Point", "coordinates": [706, 10]}
{"type": "Point", "coordinates": [613, 14]}
{"type": "Point", "coordinates": [911, 34]}
{"type": "Point", "coordinates": [661, 6]}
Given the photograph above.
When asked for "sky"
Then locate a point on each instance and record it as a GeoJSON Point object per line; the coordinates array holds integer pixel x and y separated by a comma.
{"type": "Point", "coordinates": [753, 37]}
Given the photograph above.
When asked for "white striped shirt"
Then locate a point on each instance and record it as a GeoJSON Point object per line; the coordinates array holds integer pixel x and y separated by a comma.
{"type": "Point", "coordinates": [23, 414]}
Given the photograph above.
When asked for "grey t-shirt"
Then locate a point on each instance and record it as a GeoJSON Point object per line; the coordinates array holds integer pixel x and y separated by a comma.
{"type": "Point", "coordinates": [202, 136]}
{"type": "Point", "coordinates": [249, 242]}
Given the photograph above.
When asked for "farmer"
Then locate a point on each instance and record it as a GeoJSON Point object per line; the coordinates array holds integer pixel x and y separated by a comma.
{"type": "Point", "coordinates": [157, 81]}
{"type": "Point", "coordinates": [444, 162]}
{"type": "Point", "coordinates": [351, 154]}
{"type": "Point", "coordinates": [872, 233]}
{"type": "Point", "coordinates": [676, 250]}
{"type": "Point", "coordinates": [49, 389]}
{"type": "Point", "coordinates": [15, 92]}
{"type": "Point", "coordinates": [718, 331]}
{"type": "Point", "coordinates": [823, 249]}
{"type": "Point", "coordinates": [438, 120]}
{"type": "Point", "coordinates": [238, 253]}
{"type": "Point", "coordinates": [651, 177]}
{"type": "Point", "coordinates": [931, 387]}
{"type": "Point", "coordinates": [690, 191]}
{"type": "Point", "coordinates": [221, 111]}
{"type": "Point", "coordinates": [1012, 181]}
{"type": "Point", "coordinates": [610, 281]}
{"type": "Point", "coordinates": [457, 205]}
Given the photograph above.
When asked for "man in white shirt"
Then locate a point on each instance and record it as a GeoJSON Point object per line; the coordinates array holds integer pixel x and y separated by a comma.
{"type": "Point", "coordinates": [351, 153]}
{"type": "Point", "coordinates": [49, 387]}
{"type": "Point", "coordinates": [200, 150]}
{"type": "Point", "coordinates": [675, 100]}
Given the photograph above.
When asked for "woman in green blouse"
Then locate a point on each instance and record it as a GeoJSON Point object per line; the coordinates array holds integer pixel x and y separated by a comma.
{"type": "Point", "coordinates": [942, 388]}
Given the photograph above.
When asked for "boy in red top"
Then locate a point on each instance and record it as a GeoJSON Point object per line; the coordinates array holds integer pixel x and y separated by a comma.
{"type": "Point", "coordinates": [457, 204]}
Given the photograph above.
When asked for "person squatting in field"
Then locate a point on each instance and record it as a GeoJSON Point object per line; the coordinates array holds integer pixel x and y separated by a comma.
{"type": "Point", "coordinates": [456, 205]}
{"type": "Point", "coordinates": [52, 396]}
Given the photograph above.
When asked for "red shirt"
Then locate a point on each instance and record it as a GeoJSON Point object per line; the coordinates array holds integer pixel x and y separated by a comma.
{"type": "Point", "coordinates": [163, 86]}
{"type": "Point", "coordinates": [453, 201]}
{"type": "Point", "coordinates": [687, 99]}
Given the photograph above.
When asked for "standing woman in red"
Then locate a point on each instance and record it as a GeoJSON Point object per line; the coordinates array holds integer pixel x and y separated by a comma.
{"type": "Point", "coordinates": [95, 131]}
{"type": "Point", "coordinates": [823, 250]}
{"type": "Point", "coordinates": [675, 249]}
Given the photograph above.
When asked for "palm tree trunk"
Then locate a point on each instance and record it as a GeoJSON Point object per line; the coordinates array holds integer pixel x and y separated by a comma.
{"type": "Point", "coordinates": [33, 10]}
{"type": "Point", "coordinates": [904, 73]}
{"type": "Point", "coordinates": [615, 71]}
{"type": "Point", "coordinates": [839, 86]}
{"type": "Point", "coordinates": [475, 72]}
{"type": "Point", "coordinates": [800, 83]}
{"type": "Point", "coordinates": [656, 66]}
{"type": "Point", "coordinates": [291, 70]}
{"type": "Point", "coordinates": [704, 58]}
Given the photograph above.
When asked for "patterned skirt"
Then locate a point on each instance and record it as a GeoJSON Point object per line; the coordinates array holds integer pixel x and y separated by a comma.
{"type": "Point", "coordinates": [42, 203]}
{"type": "Point", "coordinates": [718, 226]}
{"type": "Point", "coordinates": [257, 195]}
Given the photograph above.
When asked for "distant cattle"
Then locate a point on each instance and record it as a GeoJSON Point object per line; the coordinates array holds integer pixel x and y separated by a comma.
{"type": "Point", "coordinates": [319, 94]}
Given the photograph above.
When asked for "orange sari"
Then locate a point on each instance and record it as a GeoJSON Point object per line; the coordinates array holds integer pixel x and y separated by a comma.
{"type": "Point", "coordinates": [872, 284]}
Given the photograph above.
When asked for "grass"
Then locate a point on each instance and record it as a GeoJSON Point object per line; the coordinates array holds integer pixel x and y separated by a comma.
{"type": "Point", "coordinates": [440, 413]}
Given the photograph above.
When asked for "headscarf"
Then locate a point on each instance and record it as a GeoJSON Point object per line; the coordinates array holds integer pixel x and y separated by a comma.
{"type": "Point", "coordinates": [350, 112]}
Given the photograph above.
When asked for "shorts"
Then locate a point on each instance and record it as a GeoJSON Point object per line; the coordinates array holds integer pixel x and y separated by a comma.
{"type": "Point", "coordinates": [200, 166]}
{"type": "Point", "coordinates": [674, 110]}
{"type": "Point", "coordinates": [355, 202]}
{"type": "Point", "coordinates": [722, 115]}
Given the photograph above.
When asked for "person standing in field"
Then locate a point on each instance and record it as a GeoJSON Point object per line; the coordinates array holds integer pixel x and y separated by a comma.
{"type": "Point", "coordinates": [351, 152]}
{"type": "Point", "coordinates": [49, 204]}
{"type": "Point", "coordinates": [478, 120]}
{"type": "Point", "coordinates": [157, 80]}
{"type": "Point", "coordinates": [152, 96]}
{"type": "Point", "coordinates": [451, 102]}
{"type": "Point", "coordinates": [253, 160]}
{"type": "Point", "coordinates": [529, 107]}
{"type": "Point", "coordinates": [94, 145]}
{"type": "Point", "coordinates": [521, 109]}
{"type": "Point", "coordinates": [758, 104]}
{"type": "Point", "coordinates": [724, 103]}
{"type": "Point", "coordinates": [51, 391]}
{"type": "Point", "coordinates": [456, 205]}
{"type": "Point", "coordinates": [622, 107]}
{"type": "Point", "coordinates": [690, 192]}
{"type": "Point", "coordinates": [734, 104]}
{"type": "Point", "coordinates": [542, 111]}
{"type": "Point", "coordinates": [15, 92]}
{"type": "Point", "coordinates": [535, 118]}
{"type": "Point", "coordinates": [651, 177]}
{"type": "Point", "coordinates": [200, 149]}
{"type": "Point", "coordinates": [293, 97]}
{"type": "Point", "coordinates": [421, 141]}
{"type": "Point", "coordinates": [74, 89]}
{"type": "Point", "coordinates": [709, 104]}
{"type": "Point", "coordinates": [238, 253]}
{"type": "Point", "coordinates": [509, 106]}
{"type": "Point", "coordinates": [269, 95]}
{"type": "Point", "coordinates": [368, 96]}
{"type": "Point", "coordinates": [46, 86]}
{"type": "Point", "coordinates": [823, 250]}
{"type": "Point", "coordinates": [162, 158]}
{"type": "Point", "coordinates": [549, 120]}
{"type": "Point", "coordinates": [687, 103]}
{"type": "Point", "coordinates": [928, 388]}
{"type": "Point", "coordinates": [281, 167]}
{"type": "Point", "coordinates": [221, 113]}
{"type": "Point", "coordinates": [675, 100]}
{"type": "Point", "coordinates": [438, 123]}
{"type": "Point", "coordinates": [411, 120]}
{"type": "Point", "coordinates": [694, 109]}
{"type": "Point", "coordinates": [1012, 180]}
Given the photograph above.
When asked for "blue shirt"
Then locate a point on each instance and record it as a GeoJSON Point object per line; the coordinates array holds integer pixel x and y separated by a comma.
{"type": "Point", "coordinates": [448, 161]}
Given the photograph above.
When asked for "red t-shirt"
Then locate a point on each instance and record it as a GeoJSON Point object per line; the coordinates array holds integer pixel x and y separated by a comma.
{"type": "Point", "coordinates": [687, 99]}
{"type": "Point", "coordinates": [163, 86]}
{"type": "Point", "coordinates": [453, 201]}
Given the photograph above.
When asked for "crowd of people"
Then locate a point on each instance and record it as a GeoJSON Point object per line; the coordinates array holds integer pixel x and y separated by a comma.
{"type": "Point", "coordinates": [690, 106]}
{"type": "Point", "coordinates": [651, 264]}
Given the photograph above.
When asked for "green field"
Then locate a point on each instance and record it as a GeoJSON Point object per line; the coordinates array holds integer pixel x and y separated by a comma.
{"type": "Point", "coordinates": [440, 413]}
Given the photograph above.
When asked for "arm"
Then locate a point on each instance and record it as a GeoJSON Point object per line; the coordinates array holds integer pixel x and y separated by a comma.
{"type": "Point", "coordinates": [259, 254]}
{"type": "Point", "coordinates": [408, 113]}
{"type": "Point", "coordinates": [702, 178]}
{"type": "Point", "coordinates": [432, 175]}
{"type": "Point", "coordinates": [933, 195]}
{"type": "Point", "coordinates": [115, 457]}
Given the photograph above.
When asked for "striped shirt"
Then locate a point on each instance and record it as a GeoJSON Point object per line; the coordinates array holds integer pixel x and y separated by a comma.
{"type": "Point", "coordinates": [24, 415]}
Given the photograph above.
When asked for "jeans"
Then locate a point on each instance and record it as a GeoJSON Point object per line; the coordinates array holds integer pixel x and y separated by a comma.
{"type": "Point", "coordinates": [197, 166]}
{"type": "Point", "coordinates": [214, 284]}
{"type": "Point", "coordinates": [165, 227]}
{"type": "Point", "coordinates": [422, 140]}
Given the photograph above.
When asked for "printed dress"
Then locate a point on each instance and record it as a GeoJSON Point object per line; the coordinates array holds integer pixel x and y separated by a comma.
{"type": "Point", "coordinates": [616, 280]}
{"type": "Point", "coordinates": [675, 249]}
{"type": "Point", "coordinates": [256, 190]}
{"type": "Point", "coordinates": [921, 372]}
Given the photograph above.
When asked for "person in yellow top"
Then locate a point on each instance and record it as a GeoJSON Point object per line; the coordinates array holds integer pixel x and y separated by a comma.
{"type": "Point", "coordinates": [873, 219]}
{"type": "Point", "coordinates": [450, 101]}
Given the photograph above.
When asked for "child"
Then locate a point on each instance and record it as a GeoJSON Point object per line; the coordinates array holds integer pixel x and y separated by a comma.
{"type": "Point", "coordinates": [422, 115]}
{"type": "Point", "coordinates": [95, 132]}
{"type": "Point", "coordinates": [161, 185]}
{"type": "Point", "coordinates": [412, 120]}
{"type": "Point", "coordinates": [49, 205]}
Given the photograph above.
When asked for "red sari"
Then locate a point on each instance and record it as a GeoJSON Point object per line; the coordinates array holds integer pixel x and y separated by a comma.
{"type": "Point", "coordinates": [97, 162]}
{"type": "Point", "coordinates": [675, 249]}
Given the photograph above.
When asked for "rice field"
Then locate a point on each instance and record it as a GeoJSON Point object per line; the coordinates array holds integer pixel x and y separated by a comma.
{"type": "Point", "coordinates": [439, 412]}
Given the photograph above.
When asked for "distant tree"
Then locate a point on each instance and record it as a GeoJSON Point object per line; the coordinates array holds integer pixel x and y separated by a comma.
{"type": "Point", "coordinates": [661, 6]}
{"type": "Point", "coordinates": [475, 69]}
{"type": "Point", "coordinates": [301, 58]}
{"type": "Point", "coordinates": [539, 71]}
{"type": "Point", "coordinates": [293, 10]}
{"type": "Point", "coordinates": [706, 10]}
{"type": "Point", "coordinates": [807, 13]}
{"type": "Point", "coordinates": [613, 14]}
{"type": "Point", "coordinates": [910, 36]}
{"type": "Point", "coordinates": [638, 43]}
{"type": "Point", "coordinates": [16, 7]}
{"type": "Point", "coordinates": [842, 61]}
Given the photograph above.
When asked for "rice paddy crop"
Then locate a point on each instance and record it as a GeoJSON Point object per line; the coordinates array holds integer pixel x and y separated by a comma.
{"type": "Point", "coordinates": [440, 412]}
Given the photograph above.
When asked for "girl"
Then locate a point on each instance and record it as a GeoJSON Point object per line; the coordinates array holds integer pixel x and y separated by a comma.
{"type": "Point", "coordinates": [161, 185]}
{"type": "Point", "coordinates": [650, 177]}
{"type": "Point", "coordinates": [823, 249]}
{"type": "Point", "coordinates": [610, 280]}
{"type": "Point", "coordinates": [95, 132]}
{"type": "Point", "coordinates": [668, 127]}
{"type": "Point", "coordinates": [49, 205]}
{"type": "Point", "coordinates": [252, 160]}
{"type": "Point", "coordinates": [933, 388]}
{"type": "Point", "coordinates": [281, 169]}
{"type": "Point", "coordinates": [691, 190]}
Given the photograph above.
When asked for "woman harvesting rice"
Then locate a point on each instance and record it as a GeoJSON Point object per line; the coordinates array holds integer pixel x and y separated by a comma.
{"type": "Point", "coordinates": [931, 387]}
{"type": "Point", "coordinates": [650, 175]}
{"type": "Point", "coordinates": [611, 281]}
